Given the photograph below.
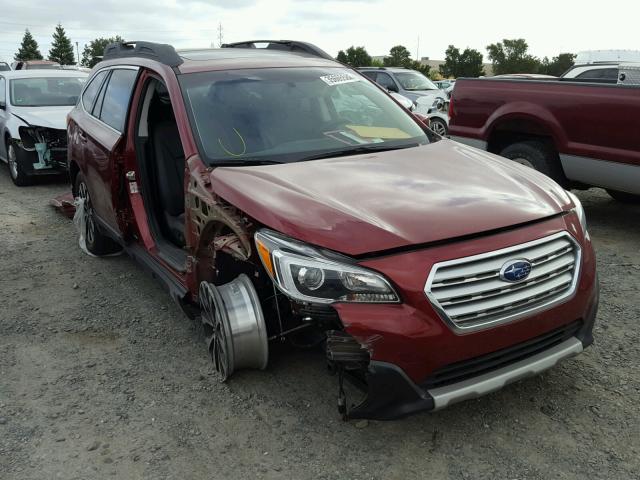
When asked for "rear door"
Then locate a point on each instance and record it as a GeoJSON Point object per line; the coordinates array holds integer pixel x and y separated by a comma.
{"type": "Point", "coordinates": [103, 143]}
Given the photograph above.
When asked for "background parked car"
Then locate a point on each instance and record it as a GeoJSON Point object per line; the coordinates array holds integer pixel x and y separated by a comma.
{"type": "Point", "coordinates": [444, 84]}
{"type": "Point", "coordinates": [409, 83]}
{"type": "Point", "coordinates": [4, 66]}
{"type": "Point", "coordinates": [33, 109]}
{"type": "Point", "coordinates": [35, 65]}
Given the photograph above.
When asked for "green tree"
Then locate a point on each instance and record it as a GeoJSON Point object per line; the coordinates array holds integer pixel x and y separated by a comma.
{"type": "Point", "coordinates": [465, 64]}
{"type": "Point", "coordinates": [61, 49]}
{"type": "Point", "coordinates": [355, 56]}
{"type": "Point", "coordinates": [510, 56]}
{"type": "Point", "coordinates": [557, 65]}
{"type": "Point", "coordinates": [94, 51]}
{"type": "Point", "coordinates": [29, 49]}
{"type": "Point", "coordinates": [422, 68]}
{"type": "Point", "coordinates": [398, 56]}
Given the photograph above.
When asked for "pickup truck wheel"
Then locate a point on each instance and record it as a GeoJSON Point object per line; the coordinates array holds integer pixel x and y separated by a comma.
{"type": "Point", "coordinates": [18, 177]}
{"type": "Point", "coordinates": [537, 155]}
{"type": "Point", "coordinates": [97, 243]}
{"type": "Point", "coordinates": [624, 197]}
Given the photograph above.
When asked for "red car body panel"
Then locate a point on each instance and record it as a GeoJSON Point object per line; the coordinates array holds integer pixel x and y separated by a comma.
{"type": "Point", "coordinates": [412, 335]}
{"type": "Point", "coordinates": [370, 203]}
{"type": "Point", "coordinates": [587, 120]}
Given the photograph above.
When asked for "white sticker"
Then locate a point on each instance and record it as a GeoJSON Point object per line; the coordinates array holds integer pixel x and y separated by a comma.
{"type": "Point", "coordinates": [339, 78]}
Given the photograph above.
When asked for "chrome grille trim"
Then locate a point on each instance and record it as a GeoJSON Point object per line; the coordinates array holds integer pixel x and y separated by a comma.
{"type": "Point", "coordinates": [469, 295]}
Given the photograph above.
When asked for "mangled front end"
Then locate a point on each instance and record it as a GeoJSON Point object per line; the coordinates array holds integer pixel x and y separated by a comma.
{"type": "Point", "coordinates": [41, 150]}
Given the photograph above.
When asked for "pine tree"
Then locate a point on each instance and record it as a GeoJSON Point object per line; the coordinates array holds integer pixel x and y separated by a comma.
{"type": "Point", "coordinates": [29, 49]}
{"type": "Point", "coordinates": [61, 49]}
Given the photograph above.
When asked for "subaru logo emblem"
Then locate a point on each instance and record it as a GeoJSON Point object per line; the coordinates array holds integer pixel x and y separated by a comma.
{"type": "Point", "coordinates": [515, 270]}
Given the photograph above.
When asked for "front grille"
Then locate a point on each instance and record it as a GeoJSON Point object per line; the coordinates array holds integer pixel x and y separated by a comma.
{"type": "Point", "coordinates": [457, 372]}
{"type": "Point", "coordinates": [470, 295]}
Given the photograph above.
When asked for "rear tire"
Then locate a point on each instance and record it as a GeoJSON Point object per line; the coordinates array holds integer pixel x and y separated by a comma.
{"type": "Point", "coordinates": [624, 197]}
{"type": "Point", "coordinates": [97, 243]}
{"type": "Point", "coordinates": [538, 155]}
{"type": "Point", "coordinates": [17, 174]}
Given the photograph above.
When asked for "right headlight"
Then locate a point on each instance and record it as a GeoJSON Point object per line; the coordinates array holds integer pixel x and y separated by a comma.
{"type": "Point", "coordinates": [579, 209]}
{"type": "Point", "coordinates": [303, 273]}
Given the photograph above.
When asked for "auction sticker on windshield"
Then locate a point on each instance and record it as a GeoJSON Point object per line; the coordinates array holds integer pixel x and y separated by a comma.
{"type": "Point", "coordinates": [339, 78]}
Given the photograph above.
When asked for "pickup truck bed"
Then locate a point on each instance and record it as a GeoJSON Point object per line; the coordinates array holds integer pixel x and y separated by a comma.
{"type": "Point", "coordinates": [580, 134]}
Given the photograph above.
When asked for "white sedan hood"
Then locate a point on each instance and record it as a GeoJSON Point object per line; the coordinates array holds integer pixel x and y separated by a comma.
{"type": "Point", "coordinates": [49, 117]}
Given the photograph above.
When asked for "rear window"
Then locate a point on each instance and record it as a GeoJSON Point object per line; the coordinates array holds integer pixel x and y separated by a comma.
{"type": "Point", "coordinates": [92, 89]}
{"type": "Point", "coordinates": [45, 91]}
{"type": "Point", "coordinates": [288, 114]}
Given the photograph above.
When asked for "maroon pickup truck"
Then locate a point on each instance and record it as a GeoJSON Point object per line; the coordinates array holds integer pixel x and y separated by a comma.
{"type": "Point", "coordinates": [579, 134]}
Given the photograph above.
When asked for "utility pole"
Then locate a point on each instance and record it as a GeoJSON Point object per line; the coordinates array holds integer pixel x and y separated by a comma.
{"type": "Point", "coordinates": [220, 35]}
{"type": "Point", "coordinates": [418, 50]}
{"type": "Point", "coordinates": [78, 53]}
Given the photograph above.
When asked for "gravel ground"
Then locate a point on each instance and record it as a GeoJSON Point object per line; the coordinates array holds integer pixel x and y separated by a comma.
{"type": "Point", "coordinates": [102, 376]}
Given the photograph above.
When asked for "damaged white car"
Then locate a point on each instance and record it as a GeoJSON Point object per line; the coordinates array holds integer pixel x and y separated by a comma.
{"type": "Point", "coordinates": [33, 112]}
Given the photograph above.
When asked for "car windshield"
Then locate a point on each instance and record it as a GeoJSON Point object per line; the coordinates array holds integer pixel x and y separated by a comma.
{"type": "Point", "coordinates": [45, 91]}
{"type": "Point", "coordinates": [414, 81]}
{"type": "Point", "coordinates": [291, 114]}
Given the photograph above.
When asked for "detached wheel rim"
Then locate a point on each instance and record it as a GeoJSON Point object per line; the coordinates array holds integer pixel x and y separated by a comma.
{"type": "Point", "coordinates": [13, 162]}
{"type": "Point", "coordinates": [523, 161]}
{"type": "Point", "coordinates": [90, 227]}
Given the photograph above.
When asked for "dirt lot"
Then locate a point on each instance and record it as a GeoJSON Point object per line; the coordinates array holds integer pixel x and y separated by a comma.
{"type": "Point", "coordinates": [102, 376]}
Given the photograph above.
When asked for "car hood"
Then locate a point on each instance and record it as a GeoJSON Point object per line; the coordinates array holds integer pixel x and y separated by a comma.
{"type": "Point", "coordinates": [49, 117]}
{"type": "Point", "coordinates": [375, 202]}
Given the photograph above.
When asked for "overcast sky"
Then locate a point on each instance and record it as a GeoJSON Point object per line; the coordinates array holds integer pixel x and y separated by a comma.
{"type": "Point", "coordinates": [549, 26]}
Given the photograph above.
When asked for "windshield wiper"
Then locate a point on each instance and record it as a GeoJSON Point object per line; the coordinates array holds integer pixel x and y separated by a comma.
{"type": "Point", "coordinates": [362, 149]}
{"type": "Point", "coordinates": [245, 162]}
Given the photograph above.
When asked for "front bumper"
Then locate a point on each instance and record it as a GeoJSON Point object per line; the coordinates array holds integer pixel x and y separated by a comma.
{"type": "Point", "coordinates": [410, 344]}
{"type": "Point", "coordinates": [392, 394]}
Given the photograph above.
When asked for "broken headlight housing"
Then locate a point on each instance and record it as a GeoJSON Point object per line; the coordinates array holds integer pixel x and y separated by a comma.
{"type": "Point", "coordinates": [307, 274]}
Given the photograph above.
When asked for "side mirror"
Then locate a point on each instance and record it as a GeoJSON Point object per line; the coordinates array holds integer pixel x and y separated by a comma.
{"type": "Point", "coordinates": [3, 106]}
{"type": "Point", "coordinates": [392, 88]}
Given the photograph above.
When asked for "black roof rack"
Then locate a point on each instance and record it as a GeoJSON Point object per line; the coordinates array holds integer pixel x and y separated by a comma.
{"type": "Point", "coordinates": [161, 52]}
{"type": "Point", "coordinates": [286, 45]}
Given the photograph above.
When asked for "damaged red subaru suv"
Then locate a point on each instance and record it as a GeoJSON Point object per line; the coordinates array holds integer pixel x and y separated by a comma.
{"type": "Point", "coordinates": [278, 194]}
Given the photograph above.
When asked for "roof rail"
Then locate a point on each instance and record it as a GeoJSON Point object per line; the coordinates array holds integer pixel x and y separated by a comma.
{"type": "Point", "coordinates": [160, 52]}
{"type": "Point", "coordinates": [287, 45]}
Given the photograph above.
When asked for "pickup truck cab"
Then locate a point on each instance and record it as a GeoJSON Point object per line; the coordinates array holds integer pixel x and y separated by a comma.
{"type": "Point", "coordinates": [279, 195]}
{"type": "Point", "coordinates": [579, 133]}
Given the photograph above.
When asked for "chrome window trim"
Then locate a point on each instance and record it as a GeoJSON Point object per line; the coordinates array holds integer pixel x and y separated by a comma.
{"type": "Point", "coordinates": [111, 67]}
{"type": "Point", "coordinates": [570, 293]}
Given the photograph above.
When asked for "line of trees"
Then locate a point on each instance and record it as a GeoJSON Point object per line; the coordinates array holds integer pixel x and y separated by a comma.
{"type": "Point", "coordinates": [508, 56]}
{"type": "Point", "coordinates": [512, 56]}
{"type": "Point", "coordinates": [61, 50]}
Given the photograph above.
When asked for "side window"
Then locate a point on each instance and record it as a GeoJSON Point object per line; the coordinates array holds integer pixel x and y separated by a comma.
{"type": "Point", "coordinates": [370, 75]}
{"type": "Point", "coordinates": [117, 97]}
{"type": "Point", "coordinates": [91, 91]}
{"type": "Point", "coordinates": [3, 90]}
{"type": "Point", "coordinates": [385, 81]}
{"type": "Point", "coordinates": [600, 74]}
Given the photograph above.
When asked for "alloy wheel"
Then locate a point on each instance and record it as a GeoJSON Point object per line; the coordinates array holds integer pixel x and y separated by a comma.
{"type": "Point", "coordinates": [13, 162]}
{"type": "Point", "coordinates": [83, 193]}
{"type": "Point", "coordinates": [215, 331]}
